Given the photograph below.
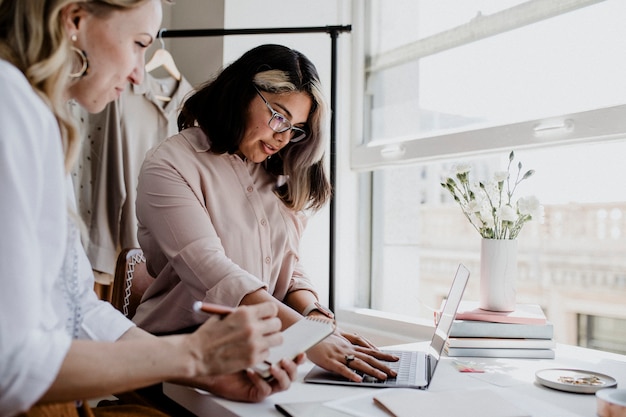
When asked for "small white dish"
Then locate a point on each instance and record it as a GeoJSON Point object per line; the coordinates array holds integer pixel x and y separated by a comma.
{"type": "Point", "coordinates": [574, 380]}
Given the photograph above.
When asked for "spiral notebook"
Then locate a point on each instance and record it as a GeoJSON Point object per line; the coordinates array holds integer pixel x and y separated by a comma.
{"type": "Point", "coordinates": [415, 369]}
{"type": "Point", "coordinates": [297, 338]}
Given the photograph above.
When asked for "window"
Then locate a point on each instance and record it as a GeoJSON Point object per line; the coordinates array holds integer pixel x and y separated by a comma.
{"type": "Point", "coordinates": [470, 81]}
{"type": "Point", "coordinates": [603, 333]}
{"type": "Point", "coordinates": [539, 75]}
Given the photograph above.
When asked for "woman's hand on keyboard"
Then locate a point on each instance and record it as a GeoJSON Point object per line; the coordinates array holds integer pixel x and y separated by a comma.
{"type": "Point", "coordinates": [351, 355]}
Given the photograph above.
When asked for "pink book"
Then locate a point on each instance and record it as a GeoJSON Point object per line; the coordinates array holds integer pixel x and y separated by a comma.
{"type": "Point", "coordinates": [523, 314]}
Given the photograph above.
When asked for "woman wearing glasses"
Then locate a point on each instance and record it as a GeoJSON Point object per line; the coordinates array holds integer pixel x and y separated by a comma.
{"type": "Point", "coordinates": [221, 206]}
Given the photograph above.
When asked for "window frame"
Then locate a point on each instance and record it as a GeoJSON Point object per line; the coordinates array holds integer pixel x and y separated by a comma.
{"type": "Point", "coordinates": [362, 159]}
{"type": "Point", "coordinates": [549, 131]}
{"type": "Point", "coordinates": [552, 131]}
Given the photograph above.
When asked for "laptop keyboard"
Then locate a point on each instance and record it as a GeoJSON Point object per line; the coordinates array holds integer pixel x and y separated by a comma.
{"type": "Point", "coordinates": [405, 367]}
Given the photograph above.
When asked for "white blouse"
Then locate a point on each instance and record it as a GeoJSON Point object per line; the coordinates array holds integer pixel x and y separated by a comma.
{"type": "Point", "coordinates": [46, 283]}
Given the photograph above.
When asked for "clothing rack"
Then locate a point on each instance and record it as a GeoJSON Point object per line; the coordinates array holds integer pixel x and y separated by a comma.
{"type": "Point", "coordinates": [334, 32]}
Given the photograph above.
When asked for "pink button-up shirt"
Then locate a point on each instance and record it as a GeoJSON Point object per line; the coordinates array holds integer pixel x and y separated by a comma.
{"type": "Point", "coordinates": [212, 229]}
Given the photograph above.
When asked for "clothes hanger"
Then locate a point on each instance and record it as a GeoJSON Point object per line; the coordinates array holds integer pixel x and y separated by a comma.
{"type": "Point", "coordinates": [162, 58]}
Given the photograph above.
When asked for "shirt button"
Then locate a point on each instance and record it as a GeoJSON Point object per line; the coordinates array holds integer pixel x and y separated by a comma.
{"type": "Point", "coordinates": [263, 222]}
{"type": "Point", "coordinates": [267, 260]}
{"type": "Point", "coordinates": [249, 188]}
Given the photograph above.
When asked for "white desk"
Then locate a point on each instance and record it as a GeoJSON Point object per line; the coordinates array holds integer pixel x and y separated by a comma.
{"type": "Point", "coordinates": [514, 379]}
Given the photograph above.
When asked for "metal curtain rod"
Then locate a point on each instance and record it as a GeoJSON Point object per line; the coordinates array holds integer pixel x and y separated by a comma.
{"type": "Point", "coordinates": [189, 33]}
{"type": "Point", "coordinates": [333, 31]}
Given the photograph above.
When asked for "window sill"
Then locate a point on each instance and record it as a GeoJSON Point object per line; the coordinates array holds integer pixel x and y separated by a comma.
{"type": "Point", "coordinates": [383, 328]}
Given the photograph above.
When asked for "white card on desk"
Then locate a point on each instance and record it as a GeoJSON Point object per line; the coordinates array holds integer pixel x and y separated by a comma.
{"type": "Point", "coordinates": [297, 338]}
{"type": "Point", "coordinates": [359, 405]}
{"type": "Point", "coordinates": [466, 403]}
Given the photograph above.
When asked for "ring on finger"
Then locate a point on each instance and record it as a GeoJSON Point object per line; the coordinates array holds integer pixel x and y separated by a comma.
{"type": "Point", "coordinates": [349, 359]}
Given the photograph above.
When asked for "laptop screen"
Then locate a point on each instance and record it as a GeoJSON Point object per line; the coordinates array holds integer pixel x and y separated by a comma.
{"type": "Point", "coordinates": [446, 317]}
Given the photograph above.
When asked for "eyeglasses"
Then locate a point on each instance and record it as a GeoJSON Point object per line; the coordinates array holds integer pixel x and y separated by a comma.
{"type": "Point", "coordinates": [279, 123]}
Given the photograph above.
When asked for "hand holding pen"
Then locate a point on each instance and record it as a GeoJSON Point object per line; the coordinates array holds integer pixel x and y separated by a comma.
{"type": "Point", "coordinates": [260, 383]}
{"type": "Point", "coordinates": [240, 338]}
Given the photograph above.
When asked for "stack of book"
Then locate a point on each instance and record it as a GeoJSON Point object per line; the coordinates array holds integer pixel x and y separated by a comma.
{"type": "Point", "coordinates": [522, 333]}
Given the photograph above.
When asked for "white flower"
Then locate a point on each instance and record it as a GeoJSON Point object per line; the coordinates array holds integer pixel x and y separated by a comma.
{"type": "Point", "coordinates": [488, 205]}
{"type": "Point", "coordinates": [530, 205]}
{"type": "Point", "coordinates": [461, 168]}
{"type": "Point", "coordinates": [507, 213]}
{"type": "Point", "coordinates": [500, 176]}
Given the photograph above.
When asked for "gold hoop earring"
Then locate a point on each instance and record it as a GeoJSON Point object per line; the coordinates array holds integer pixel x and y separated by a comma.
{"type": "Point", "coordinates": [82, 55]}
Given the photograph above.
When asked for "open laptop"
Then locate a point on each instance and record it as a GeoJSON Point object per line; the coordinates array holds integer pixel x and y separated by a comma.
{"type": "Point", "coordinates": [415, 369]}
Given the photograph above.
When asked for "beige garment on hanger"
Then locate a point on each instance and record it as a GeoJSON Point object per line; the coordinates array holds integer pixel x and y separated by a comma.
{"type": "Point", "coordinates": [105, 177]}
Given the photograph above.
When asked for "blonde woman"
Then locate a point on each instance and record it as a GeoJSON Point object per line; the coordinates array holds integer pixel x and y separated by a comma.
{"type": "Point", "coordinates": [58, 342]}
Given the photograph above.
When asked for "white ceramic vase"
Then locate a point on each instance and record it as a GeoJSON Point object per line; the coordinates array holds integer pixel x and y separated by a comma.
{"type": "Point", "coordinates": [498, 274]}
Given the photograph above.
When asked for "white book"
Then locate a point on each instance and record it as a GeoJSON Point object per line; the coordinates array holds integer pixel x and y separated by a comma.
{"type": "Point", "coordinates": [509, 343]}
{"type": "Point", "coordinates": [500, 353]}
{"type": "Point", "coordinates": [475, 328]}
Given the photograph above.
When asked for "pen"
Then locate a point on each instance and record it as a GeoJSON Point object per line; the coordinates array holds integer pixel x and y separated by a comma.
{"type": "Point", "coordinates": [212, 308]}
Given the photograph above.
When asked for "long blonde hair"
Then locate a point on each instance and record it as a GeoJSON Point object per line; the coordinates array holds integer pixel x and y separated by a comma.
{"type": "Point", "coordinates": [33, 38]}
